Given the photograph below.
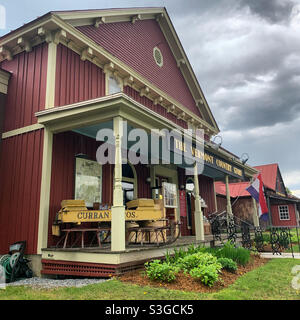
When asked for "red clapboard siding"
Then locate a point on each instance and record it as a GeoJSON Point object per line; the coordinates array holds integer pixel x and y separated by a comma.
{"type": "Point", "coordinates": [65, 146]}
{"type": "Point", "coordinates": [156, 108]}
{"type": "Point", "coordinates": [206, 191]}
{"type": "Point", "coordinates": [27, 87]}
{"type": "Point", "coordinates": [76, 80]}
{"type": "Point", "coordinates": [133, 44]}
{"type": "Point", "coordinates": [20, 176]}
{"type": "Point", "coordinates": [275, 216]}
{"type": "Point", "coordinates": [143, 173]}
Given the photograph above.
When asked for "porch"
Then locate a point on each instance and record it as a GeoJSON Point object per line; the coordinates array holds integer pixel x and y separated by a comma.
{"type": "Point", "coordinates": [102, 262]}
{"type": "Point", "coordinates": [71, 134]}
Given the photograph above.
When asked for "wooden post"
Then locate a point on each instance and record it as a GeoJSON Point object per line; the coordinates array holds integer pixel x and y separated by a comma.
{"type": "Point", "coordinates": [118, 208]}
{"type": "Point", "coordinates": [255, 213]}
{"type": "Point", "coordinates": [228, 207]}
{"type": "Point", "coordinates": [199, 225]}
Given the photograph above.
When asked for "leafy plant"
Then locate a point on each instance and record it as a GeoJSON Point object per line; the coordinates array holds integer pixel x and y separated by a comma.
{"type": "Point", "coordinates": [157, 270]}
{"type": "Point", "coordinates": [240, 255]}
{"type": "Point", "coordinates": [207, 274]}
{"type": "Point", "coordinates": [195, 260]}
{"type": "Point", "coordinates": [228, 264]}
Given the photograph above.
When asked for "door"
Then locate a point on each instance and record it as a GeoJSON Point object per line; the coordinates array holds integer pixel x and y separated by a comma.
{"type": "Point", "coordinates": [190, 202]}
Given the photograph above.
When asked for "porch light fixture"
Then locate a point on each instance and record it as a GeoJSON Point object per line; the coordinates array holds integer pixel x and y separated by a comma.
{"type": "Point", "coordinates": [244, 158]}
{"type": "Point", "coordinates": [216, 145]}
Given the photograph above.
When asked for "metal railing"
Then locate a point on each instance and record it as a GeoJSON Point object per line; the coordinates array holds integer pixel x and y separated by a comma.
{"type": "Point", "coordinates": [226, 227]}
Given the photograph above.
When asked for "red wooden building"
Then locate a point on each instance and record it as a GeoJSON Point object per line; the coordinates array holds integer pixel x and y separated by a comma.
{"type": "Point", "coordinates": [65, 76]}
{"type": "Point", "coordinates": [283, 208]}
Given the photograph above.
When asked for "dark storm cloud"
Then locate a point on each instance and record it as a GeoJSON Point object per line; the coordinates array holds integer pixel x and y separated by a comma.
{"type": "Point", "coordinates": [247, 67]}
{"type": "Point", "coordinates": [276, 100]}
{"type": "Point", "coordinates": [272, 10]}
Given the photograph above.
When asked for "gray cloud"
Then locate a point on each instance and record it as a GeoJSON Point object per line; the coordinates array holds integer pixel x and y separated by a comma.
{"type": "Point", "coordinates": [274, 11]}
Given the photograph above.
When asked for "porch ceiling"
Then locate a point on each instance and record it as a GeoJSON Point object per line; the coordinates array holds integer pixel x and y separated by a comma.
{"type": "Point", "coordinates": [88, 117]}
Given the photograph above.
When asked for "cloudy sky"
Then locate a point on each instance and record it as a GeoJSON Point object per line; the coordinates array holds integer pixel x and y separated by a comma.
{"type": "Point", "coordinates": [246, 55]}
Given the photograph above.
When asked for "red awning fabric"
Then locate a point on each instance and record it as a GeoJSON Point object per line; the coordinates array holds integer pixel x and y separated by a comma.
{"type": "Point", "coordinates": [237, 189]}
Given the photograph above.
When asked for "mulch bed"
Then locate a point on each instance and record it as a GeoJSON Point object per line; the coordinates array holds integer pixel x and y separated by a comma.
{"type": "Point", "coordinates": [187, 283]}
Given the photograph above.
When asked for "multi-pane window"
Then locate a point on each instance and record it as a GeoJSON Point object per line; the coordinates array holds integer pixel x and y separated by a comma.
{"type": "Point", "coordinates": [169, 194]}
{"type": "Point", "coordinates": [284, 212]}
{"type": "Point", "coordinates": [88, 181]}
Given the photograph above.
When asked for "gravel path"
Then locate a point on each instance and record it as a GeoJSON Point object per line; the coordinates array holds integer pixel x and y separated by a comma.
{"type": "Point", "coordinates": [45, 283]}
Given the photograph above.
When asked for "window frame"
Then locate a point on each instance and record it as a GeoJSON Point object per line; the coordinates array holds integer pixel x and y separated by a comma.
{"type": "Point", "coordinates": [287, 212]}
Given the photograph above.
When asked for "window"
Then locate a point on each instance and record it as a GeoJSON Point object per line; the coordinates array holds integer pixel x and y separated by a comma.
{"type": "Point", "coordinates": [88, 182]}
{"type": "Point", "coordinates": [284, 212]}
{"type": "Point", "coordinates": [114, 84]}
{"type": "Point", "coordinates": [157, 55]}
{"type": "Point", "coordinates": [129, 183]}
{"type": "Point", "coordinates": [169, 194]}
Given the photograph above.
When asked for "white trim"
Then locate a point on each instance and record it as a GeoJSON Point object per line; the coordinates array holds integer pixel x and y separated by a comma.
{"type": "Point", "coordinates": [22, 130]}
{"type": "Point", "coordinates": [51, 75]}
{"type": "Point", "coordinates": [45, 191]}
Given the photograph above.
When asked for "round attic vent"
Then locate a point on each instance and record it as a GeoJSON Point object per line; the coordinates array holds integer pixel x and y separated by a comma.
{"type": "Point", "coordinates": [158, 57]}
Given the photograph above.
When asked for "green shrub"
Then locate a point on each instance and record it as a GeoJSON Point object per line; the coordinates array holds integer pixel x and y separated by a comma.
{"type": "Point", "coordinates": [157, 270]}
{"type": "Point", "coordinates": [207, 274]}
{"type": "Point", "coordinates": [195, 260]}
{"type": "Point", "coordinates": [240, 255]}
{"type": "Point", "coordinates": [228, 264]}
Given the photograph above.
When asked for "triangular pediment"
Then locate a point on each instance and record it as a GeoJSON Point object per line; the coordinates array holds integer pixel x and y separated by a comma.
{"type": "Point", "coordinates": [108, 28]}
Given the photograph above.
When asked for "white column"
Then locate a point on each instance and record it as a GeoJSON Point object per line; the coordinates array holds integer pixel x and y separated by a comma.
{"type": "Point", "coordinates": [199, 225]}
{"type": "Point", "coordinates": [51, 74]}
{"type": "Point", "coordinates": [118, 209]}
{"type": "Point", "coordinates": [45, 191]}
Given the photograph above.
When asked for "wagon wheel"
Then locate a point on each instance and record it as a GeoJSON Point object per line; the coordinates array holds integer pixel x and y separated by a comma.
{"type": "Point", "coordinates": [174, 232]}
{"type": "Point", "coordinates": [133, 236]}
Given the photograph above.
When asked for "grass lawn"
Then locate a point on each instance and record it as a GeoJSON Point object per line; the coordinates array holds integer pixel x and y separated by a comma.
{"type": "Point", "coordinates": [272, 281]}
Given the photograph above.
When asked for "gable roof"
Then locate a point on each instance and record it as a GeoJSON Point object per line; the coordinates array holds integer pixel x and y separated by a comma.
{"type": "Point", "coordinates": [160, 14]}
{"type": "Point", "coordinates": [268, 174]}
{"type": "Point", "coordinates": [69, 20]}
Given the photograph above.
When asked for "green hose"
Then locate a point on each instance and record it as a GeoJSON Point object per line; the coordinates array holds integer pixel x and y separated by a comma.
{"type": "Point", "coordinates": [6, 265]}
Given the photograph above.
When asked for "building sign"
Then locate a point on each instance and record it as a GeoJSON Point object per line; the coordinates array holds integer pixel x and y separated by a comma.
{"type": "Point", "coordinates": [80, 216]}
{"type": "Point", "coordinates": [209, 159]}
